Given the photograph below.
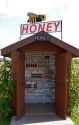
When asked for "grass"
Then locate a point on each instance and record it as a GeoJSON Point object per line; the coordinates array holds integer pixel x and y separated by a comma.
{"type": "Point", "coordinates": [75, 119]}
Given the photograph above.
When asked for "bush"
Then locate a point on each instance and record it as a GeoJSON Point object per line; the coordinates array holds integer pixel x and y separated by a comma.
{"type": "Point", "coordinates": [73, 106]}
{"type": "Point", "coordinates": [6, 90]}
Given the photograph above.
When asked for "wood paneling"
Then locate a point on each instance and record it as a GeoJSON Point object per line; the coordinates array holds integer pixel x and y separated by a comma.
{"type": "Point", "coordinates": [18, 67]}
{"type": "Point", "coordinates": [63, 61]}
{"type": "Point", "coordinates": [61, 84]}
{"type": "Point", "coordinates": [7, 50]}
{"type": "Point", "coordinates": [42, 47]}
{"type": "Point", "coordinates": [69, 59]}
{"type": "Point", "coordinates": [14, 74]}
{"type": "Point", "coordinates": [20, 84]}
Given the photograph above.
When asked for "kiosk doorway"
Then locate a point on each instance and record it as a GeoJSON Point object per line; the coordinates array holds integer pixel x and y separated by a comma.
{"type": "Point", "coordinates": [39, 83]}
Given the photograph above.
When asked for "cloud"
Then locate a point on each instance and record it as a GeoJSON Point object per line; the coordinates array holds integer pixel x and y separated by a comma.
{"type": "Point", "coordinates": [65, 10]}
{"type": "Point", "coordinates": [21, 7]}
{"type": "Point", "coordinates": [3, 6]}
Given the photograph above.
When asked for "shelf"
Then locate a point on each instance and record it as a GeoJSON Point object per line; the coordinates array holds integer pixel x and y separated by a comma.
{"type": "Point", "coordinates": [40, 67]}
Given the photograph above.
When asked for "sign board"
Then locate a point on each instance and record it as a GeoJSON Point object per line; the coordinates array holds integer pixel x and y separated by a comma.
{"type": "Point", "coordinates": [42, 37]}
{"type": "Point", "coordinates": [32, 28]}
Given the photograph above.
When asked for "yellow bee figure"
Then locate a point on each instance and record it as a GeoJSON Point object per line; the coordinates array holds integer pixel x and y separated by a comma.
{"type": "Point", "coordinates": [33, 18]}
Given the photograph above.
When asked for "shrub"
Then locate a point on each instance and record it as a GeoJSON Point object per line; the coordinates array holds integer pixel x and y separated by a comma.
{"type": "Point", "coordinates": [6, 90]}
{"type": "Point", "coordinates": [73, 106]}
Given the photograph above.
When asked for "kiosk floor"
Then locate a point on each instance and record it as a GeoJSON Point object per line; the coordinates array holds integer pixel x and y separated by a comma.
{"type": "Point", "coordinates": [39, 108]}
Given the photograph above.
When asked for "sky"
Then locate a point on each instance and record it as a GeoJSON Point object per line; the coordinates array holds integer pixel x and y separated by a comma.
{"type": "Point", "coordinates": [13, 13]}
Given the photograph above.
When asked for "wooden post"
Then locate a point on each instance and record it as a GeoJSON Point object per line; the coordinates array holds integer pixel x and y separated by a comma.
{"type": "Point", "coordinates": [69, 59]}
{"type": "Point", "coordinates": [20, 84]}
{"type": "Point", "coordinates": [18, 68]}
{"type": "Point", "coordinates": [62, 80]}
{"type": "Point", "coordinates": [14, 74]}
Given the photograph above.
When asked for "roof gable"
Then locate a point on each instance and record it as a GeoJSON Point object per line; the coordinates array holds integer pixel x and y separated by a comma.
{"type": "Point", "coordinates": [31, 39]}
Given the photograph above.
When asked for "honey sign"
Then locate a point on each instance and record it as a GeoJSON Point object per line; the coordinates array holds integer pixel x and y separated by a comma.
{"type": "Point", "coordinates": [32, 28]}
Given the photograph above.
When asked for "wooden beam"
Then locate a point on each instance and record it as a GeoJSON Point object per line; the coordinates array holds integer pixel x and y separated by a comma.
{"type": "Point", "coordinates": [14, 74]}
{"type": "Point", "coordinates": [69, 59]}
{"type": "Point", "coordinates": [20, 84]}
{"type": "Point", "coordinates": [62, 79]}
{"type": "Point", "coordinates": [18, 69]}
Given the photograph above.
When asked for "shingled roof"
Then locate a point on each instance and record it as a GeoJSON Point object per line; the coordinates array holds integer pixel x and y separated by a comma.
{"type": "Point", "coordinates": [7, 50]}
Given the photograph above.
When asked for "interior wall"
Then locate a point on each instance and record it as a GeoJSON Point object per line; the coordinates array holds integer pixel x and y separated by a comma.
{"type": "Point", "coordinates": [40, 78]}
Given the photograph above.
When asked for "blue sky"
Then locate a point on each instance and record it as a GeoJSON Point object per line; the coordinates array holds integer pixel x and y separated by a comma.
{"type": "Point", "coordinates": [14, 12]}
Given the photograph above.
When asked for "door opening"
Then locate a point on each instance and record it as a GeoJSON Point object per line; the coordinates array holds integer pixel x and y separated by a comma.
{"type": "Point", "coordinates": [40, 83]}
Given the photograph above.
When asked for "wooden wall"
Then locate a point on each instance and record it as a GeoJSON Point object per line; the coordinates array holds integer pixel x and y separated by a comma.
{"type": "Point", "coordinates": [41, 47]}
{"type": "Point", "coordinates": [63, 60]}
{"type": "Point", "coordinates": [18, 68]}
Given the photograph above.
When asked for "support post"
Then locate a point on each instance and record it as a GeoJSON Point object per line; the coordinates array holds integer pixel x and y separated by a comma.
{"type": "Point", "coordinates": [18, 68]}
{"type": "Point", "coordinates": [62, 80]}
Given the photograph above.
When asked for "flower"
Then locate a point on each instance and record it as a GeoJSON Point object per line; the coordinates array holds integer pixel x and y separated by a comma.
{"type": "Point", "coordinates": [7, 69]}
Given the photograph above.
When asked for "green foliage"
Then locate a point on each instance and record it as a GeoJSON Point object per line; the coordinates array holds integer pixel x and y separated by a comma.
{"type": "Point", "coordinates": [6, 90]}
{"type": "Point", "coordinates": [7, 121]}
{"type": "Point", "coordinates": [75, 119]}
{"type": "Point", "coordinates": [73, 107]}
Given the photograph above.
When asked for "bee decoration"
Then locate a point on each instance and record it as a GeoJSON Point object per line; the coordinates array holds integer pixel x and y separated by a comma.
{"type": "Point", "coordinates": [33, 18]}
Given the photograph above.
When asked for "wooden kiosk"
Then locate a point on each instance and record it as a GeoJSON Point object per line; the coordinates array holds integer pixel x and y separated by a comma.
{"type": "Point", "coordinates": [42, 44]}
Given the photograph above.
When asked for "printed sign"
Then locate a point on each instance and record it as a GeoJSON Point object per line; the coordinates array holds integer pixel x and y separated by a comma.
{"type": "Point", "coordinates": [52, 26]}
{"type": "Point", "coordinates": [42, 37]}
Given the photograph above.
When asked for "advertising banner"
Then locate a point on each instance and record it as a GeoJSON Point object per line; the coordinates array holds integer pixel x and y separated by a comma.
{"type": "Point", "coordinates": [49, 27]}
